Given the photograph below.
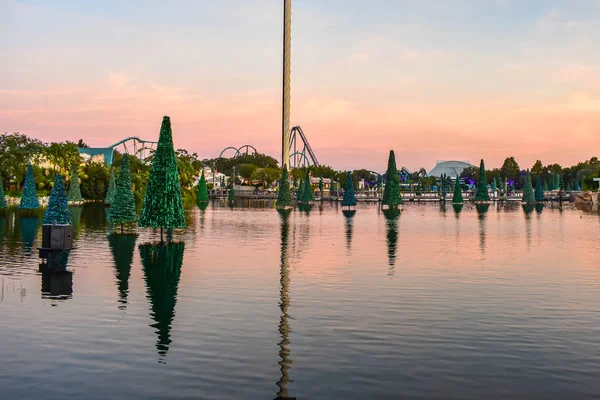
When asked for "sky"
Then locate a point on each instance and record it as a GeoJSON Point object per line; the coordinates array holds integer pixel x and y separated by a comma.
{"type": "Point", "coordinates": [432, 80]}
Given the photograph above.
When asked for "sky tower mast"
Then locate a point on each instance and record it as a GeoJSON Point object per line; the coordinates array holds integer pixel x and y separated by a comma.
{"type": "Point", "coordinates": [287, 71]}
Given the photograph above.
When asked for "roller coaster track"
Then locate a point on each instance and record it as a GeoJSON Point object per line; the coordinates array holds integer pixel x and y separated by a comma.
{"type": "Point", "coordinates": [301, 154]}
{"type": "Point", "coordinates": [135, 146]}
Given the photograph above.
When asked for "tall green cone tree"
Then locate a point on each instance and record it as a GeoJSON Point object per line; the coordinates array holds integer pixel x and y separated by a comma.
{"type": "Point", "coordinates": [74, 189]}
{"type": "Point", "coordinates": [494, 186]}
{"type": "Point", "coordinates": [300, 192]}
{"type": "Point", "coordinates": [482, 189]}
{"type": "Point", "coordinates": [202, 193]}
{"type": "Point", "coordinates": [29, 199]}
{"type": "Point", "coordinates": [3, 204]}
{"type": "Point", "coordinates": [122, 211]}
{"type": "Point", "coordinates": [163, 206]}
{"type": "Point", "coordinates": [391, 193]}
{"type": "Point", "coordinates": [321, 187]}
{"type": "Point", "coordinates": [528, 195]}
{"type": "Point", "coordinates": [284, 195]}
{"type": "Point", "coordinates": [457, 197]}
{"type": "Point", "coordinates": [349, 197]}
{"type": "Point", "coordinates": [58, 206]}
{"type": "Point", "coordinates": [110, 193]}
{"type": "Point", "coordinates": [545, 185]}
{"type": "Point", "coordinates": [122, 248]}
{"type": "Point", "coordinates": [561, 182]}
{"type": "Point", "coordinates": [539, 190]}
{"type": "Point", "coordinates": [307, 193]}
{"type": "Point", "coordinates": [231, 194]}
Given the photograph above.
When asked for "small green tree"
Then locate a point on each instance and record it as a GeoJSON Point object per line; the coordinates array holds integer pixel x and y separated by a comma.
{"type": "Point", "coordinates": [110, 193]}
{"type": "Point", "coordinates": [539, 190]}
{"type": "Point", "coordinates": [284, 195]}
{"type": "Point", "coordinates": [3, 204]}
{"type": "Point", "coordinates": [300, 192]}
{"type": "Point", "coordinates": [29, 199]}
{"type": "Point", "coordinates": [561, 182]}
{"type": "Point", "coordinates": [307, 193]}
{"type": "Point", "coordinates": [545, 185]}
{"type": "Point", "coordinates": [58, 205]}
{"type": "Point", "coordinates": [528, 195]}
{"type": "Point", "coordinates": [482, 190]}
{"type": "Point", "coordinates": [391, 193]}
{"type": "Point", "coordinates": [74, 190]}
{"type": "Point", "coordinates": [231, 194]}
{"type": "Point", "coordinates": [122, 210]}
{"type": "Point", "coordinates": [202, 193]}
{"type": "Point", "coordinates": [321, 187]}
{"type": "Point", "coordinates": [349, 197]}
{"type": "Point", "coordinates": [457, 197]}
{"type": "Point", "coordinates": [163, 206]}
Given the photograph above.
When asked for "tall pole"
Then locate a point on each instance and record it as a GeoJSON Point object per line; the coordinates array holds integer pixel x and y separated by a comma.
{"type": "Point", "coordinates": [287, 72]}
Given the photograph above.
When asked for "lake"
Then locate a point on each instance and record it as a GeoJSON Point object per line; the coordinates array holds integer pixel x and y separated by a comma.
{"type": "Point", "coordinates": [250, 304]}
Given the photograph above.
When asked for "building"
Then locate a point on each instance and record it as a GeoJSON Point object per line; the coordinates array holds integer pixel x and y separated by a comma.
{"type": "Point", "coordinates": [449, 168]}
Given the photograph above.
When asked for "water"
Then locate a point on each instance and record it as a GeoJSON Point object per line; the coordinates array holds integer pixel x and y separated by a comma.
{"type": "Point", "coordinates": [250, 304]}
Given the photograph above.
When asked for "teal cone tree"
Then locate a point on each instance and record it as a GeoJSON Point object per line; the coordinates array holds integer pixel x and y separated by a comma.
{"type": "Point", "coordinates": [202, 192]}
{"type": "Point", "coordinates": [307, 193]}
{"type": "Point", "coordinates": [110, 193]}
{"type": "Point", "coordinates": [482, 190]}
{"type": "Point", "coordinates": [122, 211]}
{"type": "Point", "coordinates": [74, 189]}
{"type": "Point", "coordinates": [29, 199]}
{"type": "Point", "coordinates": [3, 204]}
{"type": "Point", "coordinates": [284, 195]}
{"type": "Point", "coordinates": [539, 190]}
{"type": "Point", "coordinates": [349, 197]}
{"type": "Point", "coordinates": [163, 206]}
{"type": "Point", "coordinates": [457, 197]}
{"type": "Point", "coordinates": [391, 193]}
{"type": "Point", "coordinates": [300, 192]}
{"type": "Point", "coordinates": [58, 206]}
{"type": "Point", "coordinates": [545, 185]}
{"type": "Point", "coordinates": [528, 195]}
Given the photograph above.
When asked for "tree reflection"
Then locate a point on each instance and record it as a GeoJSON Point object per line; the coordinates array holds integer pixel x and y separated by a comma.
{"type": "Point", "coordinates": [161, 264]}
{"type": "Point", "coordinates": [349, 217]}
{"type": "Point", "coordinates": [391, 221]}
{"type": "Point", "coordinates": [122, 248]}
{"type": "Point", "coordinates": [528, 210]}
{"type": "Point", "coordinates": [284, 303]}
{"type": "Point", "coordinates": [29, 227]}
{"type": "Point", "coordinates": [482, 210]}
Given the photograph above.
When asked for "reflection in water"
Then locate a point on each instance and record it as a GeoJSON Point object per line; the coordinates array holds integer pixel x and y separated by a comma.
{"type": "Point", "coordinates": [539, 207]}
{"type": "Point", "coordinates": [76, 212]}
{"type": "Point", "coordinates": [457, 209]}
{"type": "Point", "coordinates": [305, 208]}
{"type": "Point", "coordinates": [284, 303]}
{"type": "Point", "coordinates": [482, 210]}
{"type": "Point", "coordinates": [349, 214]}
{"type": "Point", "coordinates": [29, 227]}
{"type": "Point", "coordinates": [528, 209]}
{"type": "Point", "coordinates": [443, 208]}
{"type": "Point", "coordinates": [91, 216]}
{"type": "Point", "coordinates": [202, 206]}
{"type": "Point", "coordinates": [161, 264]}
{"type": "Point", "coordinates": [122, 247]}
{"type": "Point", "coordinates": [57, 281]}
{"type": "Point", "coordinates": [391, 221]}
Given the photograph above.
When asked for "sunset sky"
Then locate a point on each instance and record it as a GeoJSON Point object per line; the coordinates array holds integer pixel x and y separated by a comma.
{"type": "Point", "coordinates": [433, 80]}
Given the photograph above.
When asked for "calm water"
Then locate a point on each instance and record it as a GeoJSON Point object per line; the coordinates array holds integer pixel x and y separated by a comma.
{"type": "Point", "coordinates": [248, 304]}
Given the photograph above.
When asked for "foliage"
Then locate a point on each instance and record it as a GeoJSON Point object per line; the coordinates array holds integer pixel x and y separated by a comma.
{"type": "Point", "coordinates": [321, 186]}
{"type": "Point", "coordinates": [110, 193]}
{"type": "Point", "coordinates": [202, 192]}
{"type": "Point", "coordinates": [246, 171]}
{"type": "Point", "coordinates": [29, 198]}
{"type": "Point", "coordinates": [122, 210]}
{"type": "Point", "coordinates": [74, 190]}
{"type": "Point", "coordinates": [528, 195]}
{"type": "Point", "coordinates": [163, 206]}
{"type": "Point", "coordinates": [16, 151]}
{"type": "Point", "coordinates": [391, 193]}
{"type": "Point", "coordinates": [561, 182]}
{"type": "Point", "coordinates": [58, 206]}
{"type": "Point", "coordinates": [323, 171]}
{"type": "Point", "coordinates": [226, 165]}
{"type": "Point", "coordinates": [539, 190]}
{"type": "Point", "coordinates": [471, 173]}
{"type": "Point", "coordinates": [349, 197]}
{"type": "Point", "coordinates": [545, 186]}
{"type": "Point", "coordinates": [140, 172]}
{"type": "Point", "coordinates": [266, 175]}
{"type": "Point", "coordinates": [95, 177]}
{"type": "Point", "coordinates": [510, 169]}
{"type": "Point", "coordinates": [188, 166]}
{"type": "Point", "coordinates": [284, 196]}
{"type": "Point", "coordinates": [457, 197]}
{"type": "Point", "coordinates": [482, 189]}
{"type": "Point", "coordinates": [64, 156]}
{"type": "Point", "coordinates": [2, 196]}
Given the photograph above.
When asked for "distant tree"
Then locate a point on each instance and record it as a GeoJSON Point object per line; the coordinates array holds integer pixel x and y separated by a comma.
{"type": "Point", "coordinates": [537, 168]}
{"type": "Point", "coordinates": [29, 199]}
{"type": "Point", "coordinates": [561, 182]}
{"type": "Point", "coordinates": [545, 186]}
{"type": "Point", "coordinates": [300, 192]}
{"type": "Point", "coordinates": [74, 189]}
{"type": "Point", "coordinates": [457, 197]}
{"type": "Point", "coordinates": [110, 193]}
{"type": "Point", "coordinates": [58, 207]}
{"type": "Point", "coordinates": [95, 178]}
{"type": "Point", "coordinates": [64, 156]}
{"type": "Point", "coordinates": [482, 189]}
{"type": "Point", "coordinates": [284, 196]}
{"type": "Point", "coordinates": [81, 143]}
{"type": "Point", "coordinates": [246, 171]}
{"type": "Point", "coordinates": [471, 173]}
{"type": "Point", "coordinates": [528, 195]}
{"type": "Point", "coordinates": [349, 197]}
{"type": "Point", "coordinates": [16, 151]}
{"type": "Point", "coordinates": [122, 211]}
{"type": "Point", "coordinates": [202, 192]}
{"type": "Point", "coordinates": [391, 193]}
{"type": "Point", "coordinates": [307, 192]}
{"type": "Point", "coordinates": [539, 190]}
{"type": "Point", "coordinates": [510, 169]}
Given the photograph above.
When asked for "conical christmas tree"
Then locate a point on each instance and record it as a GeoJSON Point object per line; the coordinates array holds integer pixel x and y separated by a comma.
{"type": "Point", "coordinates": [349, 197]}
{"type": "Point", "coordinates": [321, 187]}
{"type": "Point", "coordinates": [74, 190]}
{"type": "Point", "coordinates": [29, 200]}
{"type": "Point", "coordinates": [231, 195]}
{"type": "Point", "coordinates": [122, 248]}
{"type": "Point", "coordinates": [3, 204]}
{"type": "Point", "coordinates": [494, 186]}
{"type": "Point", "coordinates": [528, 195]}
{"type": "Point", "coordinates": [545, 186]}
{"type": "Point", "coordinates": [482, 194]}
{"type": "Point", "coordinates": [163, 207]}
{"type": "Point", "coordinates": [300, 192]}
{"type": "Point", "coordinates": [58, 206]}
{"type": "Point", "coordinates": [499, 183]}
{"type": "Point", "coordinates": [110, 193]}
{"type": "Point", "coordinates": [307, 193]}
{"type": "Point", "coordinates": [391, 193]}
{"type": "Point", "coordinates": [561, 182]}
{"type": "Point", "coordinates": [539, 191]}
{"type": "Point", "coordinates": [122, 210]}
{"type": "Point", "coordinates": [457, 197]}
{"type": "Point", "coordinates": [284, 196]}
{"type": "Point", "coordinates": [202, 193]}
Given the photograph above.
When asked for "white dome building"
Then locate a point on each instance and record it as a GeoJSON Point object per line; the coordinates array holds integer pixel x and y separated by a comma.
{"type": "Point", "coordinates": [452, 169]}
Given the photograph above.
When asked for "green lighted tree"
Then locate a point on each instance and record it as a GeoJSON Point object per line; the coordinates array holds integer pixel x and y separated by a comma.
{"type": "Point", "coordinates": [3, 204]}
{"type": "Point", "coordinates": [300, 192]}
{"type": "Point", "coordinates": [58, 206]}
{"type": "Point", "coordinates": [74, 190]}
{"type": "Point", "coordinates": [561, 182]}
{"type": "Point", "coordinates": [528, 195]}
{"type": "Point", "coordinates": [284, 195]}
{"type": "Point", "coordinates": [482, 189]}
{"type": "Point", "coordinates": [163, 207]}
{"type": "Point", "coordinates": [457, 197]}
{"type": "Point", "coordinates": [349, 197]}
{"type": "Point", "coordinates": [110, 193]}
{"type": "Point", "coordinates": [545, 185]}
{"type": "Point", "coordinates": [307, 193]}
{"type": "Point", "coordinates": [539, 190]}
{"type": "Point", "coordinates": [202, 193]}
{"type": "Point", "coordinates": [29, 200]}
{"type": "Point", "coordinates": [321, 187]}
{"type": "Point", "coordinates": [122, 211]}
{"type": "Point", "coordinates": [391, 193]}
